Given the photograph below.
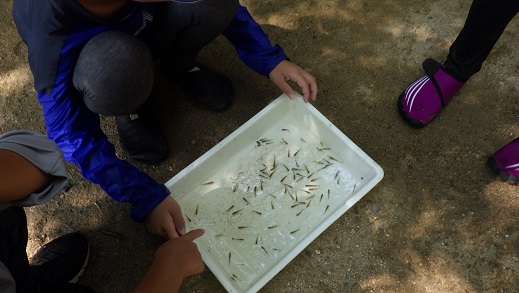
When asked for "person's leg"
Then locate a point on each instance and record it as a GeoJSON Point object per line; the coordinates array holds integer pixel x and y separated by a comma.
{"type": "Point", "coordinates": [13, 245]}
{"type": "Point", "coordinates": [181, 31]}
{"type": "Point", "coordinates": [115, 74]}
{"type": "Point", "coordinates": [486, 21]}
{"type": "Point", "coordinates": [423, 100]}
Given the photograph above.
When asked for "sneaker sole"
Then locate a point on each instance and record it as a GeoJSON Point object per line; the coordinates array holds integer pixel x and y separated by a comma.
{"type": "Point", "coordinates": [80, 273]}
{"type": "Point", "coordinates": [412, 122]}
{"type": "Point", "coordinates": [501, 174]}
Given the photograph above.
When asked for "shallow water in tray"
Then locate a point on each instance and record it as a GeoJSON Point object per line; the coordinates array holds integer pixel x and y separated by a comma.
{"type": "Point", "coordinates": [256, 207]}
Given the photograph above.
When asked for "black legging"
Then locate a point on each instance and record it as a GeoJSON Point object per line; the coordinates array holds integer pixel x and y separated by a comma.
{"type": "Point", "coordinates": [486, 21]}
{"type": "Point", "coordinates": [13, 244]}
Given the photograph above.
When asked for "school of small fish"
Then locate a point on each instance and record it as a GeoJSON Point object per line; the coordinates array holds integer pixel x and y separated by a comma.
{"type": "Point", "coordinates": [255, 210]}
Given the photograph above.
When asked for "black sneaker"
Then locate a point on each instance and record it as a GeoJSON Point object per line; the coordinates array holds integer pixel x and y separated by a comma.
{"type": "Point", "coordinates": [207, 87]}
{"type": "Point", "coordinates": [141, 137]}
{"type": "Point", "coordinates": [60, 261]}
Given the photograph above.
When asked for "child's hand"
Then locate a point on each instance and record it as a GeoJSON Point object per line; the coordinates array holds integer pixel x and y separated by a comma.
{"type": "Point", "coordinates": [183, 253]}
{"type": "Point", "coordinates": [286, 71]}
{"type": "Point", "coordinates": [166, 219]}
{"type": "Point", "coordinates": [175, 260]}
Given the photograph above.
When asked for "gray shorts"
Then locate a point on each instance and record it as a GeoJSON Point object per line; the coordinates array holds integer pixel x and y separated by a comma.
{"type": "Point", "coordinates": [44, 154]}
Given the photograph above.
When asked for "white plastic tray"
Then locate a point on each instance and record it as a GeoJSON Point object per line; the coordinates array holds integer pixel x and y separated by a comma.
{"type": "Point", "coordinates": [269, 189]}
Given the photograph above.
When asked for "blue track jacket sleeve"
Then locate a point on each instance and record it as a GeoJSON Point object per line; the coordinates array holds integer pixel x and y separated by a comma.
{"type": "Point", "coordinates": [77, 132]}
{"type": "Point", "coordinates": [252, 44]}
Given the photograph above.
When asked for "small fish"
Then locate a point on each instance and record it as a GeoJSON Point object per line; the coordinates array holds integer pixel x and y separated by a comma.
{"type": "Point", "coordinates": [257, 238]}
{"type": "Point", "coordinates": [262, 247]}
{"type": "Point", "coordinates": [303, 140]}
{"type": "Point", "coordinates": [208, 183]}
{"type": "Point", "coordinates": [259, 213]}
{"type": "Point", "coordinates": [325, 210]}
{"type": "Point", "coordinates": [332, 158]}
{"type": "Point", "coordinates": [295, 231]}
{"type": "Point", "coordinates": [272, 227]}
{"type": "Point", "coordinates": [229, 209]}
{"type": "Point", "coordinates": [284, 141]}
{"type": "Point", "coordinates": [188, 218]}
{"type": "Point", "coordinates": [271, 204]}
{"type": "Point", "coordinates": [196, 211]}
{"type": "Point", "coordinates": [229, 258]}
{"type": "Point", "coordinates": [308, 204]}
{"type": "Point", "coordinates": [243, 227]}
{"type": "Point", "coordinates": [238, 239]}
{"type": "Point", "coordinates": [300, 212]}
{"type": "Point", "coordinates": [235, 212]}
{"type": "Point", "coordinates": [285, 166]}
{"type": "Point", "coordinates": [283, 178]}
{"type": "Point", "coordinates": [246, 200]}
{"type": "Point", "coordinates": [295, 154]}
{"type": "Point", "coordinates": [285, 129]}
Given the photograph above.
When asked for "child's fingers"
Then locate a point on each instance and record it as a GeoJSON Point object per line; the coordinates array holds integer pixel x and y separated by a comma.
{"type": "Point", "coordinates": [194, 234]}
{"type": "Point", "coordinates": [313, 85]}
{"type": "Point", "coordinates": [305, 86]}
{"type": "Point", "coordinates": [169, 230]}
{"type": "Point", "coordinates": [284, 86]}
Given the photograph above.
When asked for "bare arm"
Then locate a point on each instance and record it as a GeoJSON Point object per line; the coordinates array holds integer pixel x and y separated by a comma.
{"type": "Point", "coordinates": [19, 177]}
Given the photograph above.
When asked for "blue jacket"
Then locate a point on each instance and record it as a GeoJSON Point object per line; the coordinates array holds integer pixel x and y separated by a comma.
{"type": "Point", "coordinates": [55, 32]}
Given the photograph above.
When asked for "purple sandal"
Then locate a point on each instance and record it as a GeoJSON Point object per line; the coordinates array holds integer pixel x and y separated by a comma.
{"type": "Point", "coordinates": [505, 162]}
{"type": "Point", "coordinates": [425, 97]}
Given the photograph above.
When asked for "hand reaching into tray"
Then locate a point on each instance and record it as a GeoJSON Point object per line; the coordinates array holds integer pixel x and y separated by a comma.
{"type": "Point", "coordinates": [166, 219]}
{"type": "Point", "coordinates": [175, 260]}
{"type": "Point", "coordinates": [286, 71]}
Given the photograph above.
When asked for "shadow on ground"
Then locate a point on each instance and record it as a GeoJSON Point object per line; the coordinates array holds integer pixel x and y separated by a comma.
{"type": "Point", "coordinates": [438, 221]}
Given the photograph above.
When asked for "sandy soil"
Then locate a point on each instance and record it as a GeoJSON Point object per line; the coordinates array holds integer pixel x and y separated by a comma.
{"type": "Point", "coordinates": [444, 224]}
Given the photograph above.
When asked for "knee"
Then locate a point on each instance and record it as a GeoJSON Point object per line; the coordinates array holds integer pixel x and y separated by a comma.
{"type": "Point", "coordinates": [114, 72]}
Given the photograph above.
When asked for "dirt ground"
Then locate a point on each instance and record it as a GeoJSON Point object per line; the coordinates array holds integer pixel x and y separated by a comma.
{"type": "Point", "coordinates": [444, 224]}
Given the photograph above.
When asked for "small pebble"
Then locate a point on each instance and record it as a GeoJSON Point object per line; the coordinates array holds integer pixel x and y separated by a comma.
{"type": "Point", "coordinates": [375, 207]}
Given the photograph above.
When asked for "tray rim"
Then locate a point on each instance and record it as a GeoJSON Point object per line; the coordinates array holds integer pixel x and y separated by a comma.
{"type": "Point", "coordinates": [305, 241]}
